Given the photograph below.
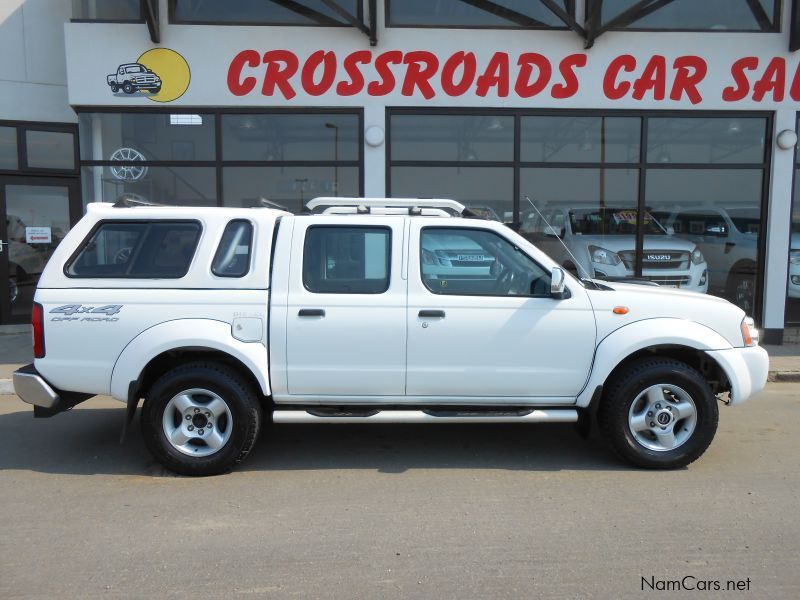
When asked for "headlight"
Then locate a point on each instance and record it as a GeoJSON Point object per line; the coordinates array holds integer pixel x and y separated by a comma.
{"type": "Point", "coordinates": [749, 332]}
{"type": "Point", "coordinates": [794, 257]}
{"type": "Point", "coordinates": [697, 257]}
{"type": "Point", "coordinates": [603, 256]}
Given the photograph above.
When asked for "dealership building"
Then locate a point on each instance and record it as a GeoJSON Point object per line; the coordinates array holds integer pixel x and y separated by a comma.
{"type": "Point", "coordinates": [655, 138]}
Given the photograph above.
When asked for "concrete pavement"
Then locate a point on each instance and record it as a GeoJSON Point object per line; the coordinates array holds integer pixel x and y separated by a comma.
{"type": "Point", "coordinates": [432, 511]}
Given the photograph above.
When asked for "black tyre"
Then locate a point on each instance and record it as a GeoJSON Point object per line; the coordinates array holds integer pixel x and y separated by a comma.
{"type": "Point", "coordinates": [114, 88]}
{"type": "Point", "coordinates": [659, 413]}
{"type": "Point", "coordinates": [742, 290]}
{"type": "Point", "coordinates": [128, 88]}
{"type": "Point", "coordinates": [155, 90]}
{"type": "Point", "coordinates": [201, 418]}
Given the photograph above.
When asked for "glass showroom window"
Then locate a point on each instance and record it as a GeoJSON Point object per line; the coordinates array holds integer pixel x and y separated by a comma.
{"type": "Point", "coordinates": [687, 15]}
{"type": "Point", "coordinates": [465, 157]}
{"type": "Point", "coordinates": [262, 12]}
{"type": "Point", "coordinates": [290, 158]}
{"type": "Point", "coordinates": [674, 200]}
{"type": "Point", "coordinates": [148, 156]}
{"type": "Point", "coordinates": [285, 157]}
{"type": "Point", "coordinates": [528, 14]}
{"type": "Point", "coordinates": [793, 288]}
{"type": "Point", "coordinates": [107, 10]}
{"type": "Point", "coordinates": [705, 181]}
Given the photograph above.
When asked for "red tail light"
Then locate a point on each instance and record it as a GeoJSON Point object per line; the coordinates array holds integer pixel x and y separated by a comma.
{"type": "Point", "coordinates": [37, 320]}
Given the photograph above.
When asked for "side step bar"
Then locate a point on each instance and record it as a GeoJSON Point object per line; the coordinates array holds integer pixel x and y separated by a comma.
{"type": "Point", "coordinates": [547, 415]}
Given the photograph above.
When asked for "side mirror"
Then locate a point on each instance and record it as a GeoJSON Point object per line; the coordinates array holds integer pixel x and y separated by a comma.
{"type": "Point", "coordinates": [670, 230]}
{"type": "Point", "coordinates": [558, 288]}
{"type": "Point", "coordinates": [552, 231]}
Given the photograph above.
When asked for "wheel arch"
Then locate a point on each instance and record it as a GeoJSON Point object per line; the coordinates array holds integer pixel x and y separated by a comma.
{"type": "Point", "coordinates": [162, 347]}
{"type": "Point", "coordinates": [688, 342]}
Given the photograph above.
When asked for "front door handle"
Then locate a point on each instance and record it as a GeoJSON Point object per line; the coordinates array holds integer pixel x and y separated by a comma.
{"type": "Point", "coordinates": [311, 312]}
{"type": "Point", "coordinates": [431, 314]}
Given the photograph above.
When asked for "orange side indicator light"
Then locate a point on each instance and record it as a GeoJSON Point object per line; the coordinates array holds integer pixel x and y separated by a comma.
{"type": "Point", "coordinates": [620, 310]}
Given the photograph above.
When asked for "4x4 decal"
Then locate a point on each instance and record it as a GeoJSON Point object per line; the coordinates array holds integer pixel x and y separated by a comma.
{"type": "Point", "coordinates": [70, 312]}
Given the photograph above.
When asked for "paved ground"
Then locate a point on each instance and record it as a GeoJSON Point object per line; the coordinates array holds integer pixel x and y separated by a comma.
{"type": "Point", "coordinates": [403, 511]}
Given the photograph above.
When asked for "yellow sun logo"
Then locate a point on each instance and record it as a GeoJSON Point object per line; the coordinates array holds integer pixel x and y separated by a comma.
{"type": "Point", "coordinates": [173, 70]}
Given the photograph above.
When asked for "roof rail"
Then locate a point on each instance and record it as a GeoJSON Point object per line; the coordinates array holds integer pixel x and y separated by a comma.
{"type": "Point", "coordinates": [366, 205]}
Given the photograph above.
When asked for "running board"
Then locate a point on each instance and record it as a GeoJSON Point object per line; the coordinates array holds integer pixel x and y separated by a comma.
{"type": "Point", "coordinates": [418, 416]}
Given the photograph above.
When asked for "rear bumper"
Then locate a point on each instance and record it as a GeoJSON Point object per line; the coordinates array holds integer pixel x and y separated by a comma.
{"type": "Point", "coordinates": [33, 389]}
{"type": "Point", "coordinates": [46, 400]}
{"type": "Point", "coordinates": [746, 369]}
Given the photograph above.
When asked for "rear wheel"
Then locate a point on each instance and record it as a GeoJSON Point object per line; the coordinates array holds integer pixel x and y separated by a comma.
{"type": "Point", "coordinates": [114, 88]}
{"type": "Point", "coordinates": [659, 413]}
{"type": "Point", "coordinates": [201, 419]}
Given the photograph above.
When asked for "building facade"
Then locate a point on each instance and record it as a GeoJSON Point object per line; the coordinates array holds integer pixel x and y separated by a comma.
{"type": "Point", "coordinates": [655, 139]}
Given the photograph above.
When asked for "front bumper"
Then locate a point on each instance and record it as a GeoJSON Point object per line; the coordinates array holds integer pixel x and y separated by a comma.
{"type": "Point", "coordinates": [47, 401]}
{"type": "Point", "coordinates": [746, 368]}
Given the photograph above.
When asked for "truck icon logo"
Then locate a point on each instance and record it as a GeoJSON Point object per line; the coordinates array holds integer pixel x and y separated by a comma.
{"type": "Point", "coordinates": [134, 77]}
{"type": "Point", "coordinates": [159, 74]}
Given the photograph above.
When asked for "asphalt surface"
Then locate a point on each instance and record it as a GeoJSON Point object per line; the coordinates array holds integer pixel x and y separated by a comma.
{"type": "Point", "coordinates": [397, 511]}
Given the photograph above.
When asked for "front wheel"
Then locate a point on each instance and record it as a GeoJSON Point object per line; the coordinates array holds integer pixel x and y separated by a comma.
{"type": "Point", "coordinates": [128, 88]}
{"type": "Point", "coordinates": [659, 413]}
{"type": "Point", "coordinates": [201, 418]}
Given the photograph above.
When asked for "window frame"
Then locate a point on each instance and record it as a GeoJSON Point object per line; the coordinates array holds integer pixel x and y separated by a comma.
{"type": "Point", "coordinates": [482, 230]}
{"type": "Point", "coordinates": [249, 249]}
{"type": "Point", "coordinates": [22, 127]}
{"type": "Point", "coordinates": [96, 228]}
{"type": "Point", "coordinates": [775, 28]}
{"type": "Point", "coordinates": [141, 18]}
{"type": "Point", "coordinates": [389, 257]}
{"type": "Point", "coordinates": [388, 23]}
{"type": "Point", "coordinates": [219, 163]}
{"type": "Point", "coordinates": [174, 20]}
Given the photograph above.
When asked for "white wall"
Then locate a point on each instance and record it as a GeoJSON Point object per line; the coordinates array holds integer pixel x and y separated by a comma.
{"type": "Point", "coordinates": [33, 72]}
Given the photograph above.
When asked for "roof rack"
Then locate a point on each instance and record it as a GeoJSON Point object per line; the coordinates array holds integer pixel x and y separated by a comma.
{"type": "Point", "coordinates": [412, 206]}
{"type": "Point", "coordinates": [133, 201]}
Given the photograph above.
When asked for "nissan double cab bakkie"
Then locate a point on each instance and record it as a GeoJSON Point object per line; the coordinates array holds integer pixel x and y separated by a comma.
{"type": "Point", "coordinates": [369, 311]}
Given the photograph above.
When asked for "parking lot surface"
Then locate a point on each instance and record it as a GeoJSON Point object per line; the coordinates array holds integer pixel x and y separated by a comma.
{"type": "Point", "coordinates": [397, 511]}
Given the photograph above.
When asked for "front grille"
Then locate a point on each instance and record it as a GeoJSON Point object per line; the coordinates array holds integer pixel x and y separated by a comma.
{"type": "Point", "coordinates": [679, 280]}
{"type": "Point", "coordinates": [657, 259]}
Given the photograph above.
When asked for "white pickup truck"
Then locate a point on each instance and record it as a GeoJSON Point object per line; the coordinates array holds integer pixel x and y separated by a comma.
{"type": "Point", "coordinates": [220, 318]}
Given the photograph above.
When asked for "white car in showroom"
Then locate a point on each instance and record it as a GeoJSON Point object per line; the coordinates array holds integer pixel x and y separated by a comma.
{"type": "Point", "coordinates": [603, 242]}
{"type": "Point", "coordinates": [728, 238]}
{"type": "Point", "coordinates": [794, 267]}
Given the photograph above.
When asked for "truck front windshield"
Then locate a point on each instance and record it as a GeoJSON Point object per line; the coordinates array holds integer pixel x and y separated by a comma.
{"type": "Point", "coordinates": [136, 69]}
{"type": "Point", "coordinates": [611, 221]}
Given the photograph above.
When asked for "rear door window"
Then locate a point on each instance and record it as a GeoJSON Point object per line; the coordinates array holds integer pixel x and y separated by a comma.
{"type": "Point", "coordinates": [137, 250]}
{"type": "Point", "coordinates": [346, 260]}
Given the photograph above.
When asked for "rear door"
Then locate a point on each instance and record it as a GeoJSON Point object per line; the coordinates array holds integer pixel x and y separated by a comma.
{"type": "Point", "coordinates": [346, 308]}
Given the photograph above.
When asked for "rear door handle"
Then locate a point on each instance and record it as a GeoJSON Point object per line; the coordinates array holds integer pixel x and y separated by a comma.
{"type": "Point", "coordinates": [311, 312]}
{"type": "Point", "coordinates": [431, 314]}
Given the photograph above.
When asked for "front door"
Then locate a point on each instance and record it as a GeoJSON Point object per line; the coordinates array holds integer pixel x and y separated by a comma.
{"type": "Point", "coordinates": [36, 215]}
{"type": "Point", "coordinates": [482, 323]}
